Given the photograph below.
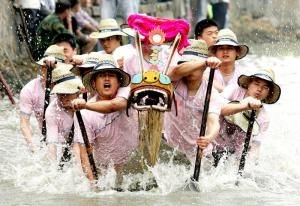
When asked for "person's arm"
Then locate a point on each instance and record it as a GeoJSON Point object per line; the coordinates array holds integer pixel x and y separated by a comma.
{"type": "Point", "coordinates": [83, 160]}
{"type": "Point", "coordinates": [212, 130]}
{"type": "Point", "coordinates": [187, 68]}
{"type": "Point", "coordinates": [246, 104]}
{"type": "Point", "coordinates": [52, 151]}
{"type": "Point", "coordinates": [26, 130]}
{"type": "Point", "coordinates": [103, 106]}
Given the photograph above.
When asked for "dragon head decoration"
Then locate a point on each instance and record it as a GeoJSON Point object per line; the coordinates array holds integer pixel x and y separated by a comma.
{"type": "Point", "coordinates": [151, 90]}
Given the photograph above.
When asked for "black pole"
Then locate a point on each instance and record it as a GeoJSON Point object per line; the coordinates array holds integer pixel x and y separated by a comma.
{"type": "Point", "coordinates": [7, 89]}
{"type": "Point", "coordinates": [87, 144]}
{"type": "Point", "coordinates": [46, 101]}
{"type": "Point", "coordinates": [247, 142]}
{"type": "Point", "coordinates": [203, 123]}
{"type": "Point", "coordinates": [66, 157]}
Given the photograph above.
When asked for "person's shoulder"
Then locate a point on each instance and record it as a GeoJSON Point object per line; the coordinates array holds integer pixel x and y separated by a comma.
{"type": "Point", "coordinates": [30, 86]}
{"type": "Point", "coordinates": [52, 109]}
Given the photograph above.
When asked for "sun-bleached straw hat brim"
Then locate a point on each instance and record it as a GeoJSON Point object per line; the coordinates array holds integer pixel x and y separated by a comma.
{"type": "Point", "coordinates": [104, 34]}
{"type": "Point", "coordinates": [71, 86]}
{"type": "Point", "coordinates": [187, 58]}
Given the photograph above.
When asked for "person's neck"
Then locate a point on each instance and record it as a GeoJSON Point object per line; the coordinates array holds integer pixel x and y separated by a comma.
{"type": "Point", "coordinates": [101, 98]}
{"type": "Point", "coordinates": [192, 86]}
{"type": "Point", "coordinates": [227, 69]}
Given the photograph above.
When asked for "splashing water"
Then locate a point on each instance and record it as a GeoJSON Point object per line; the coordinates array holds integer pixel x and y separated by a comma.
{"type": "Point", "coordinates": [30, 179]}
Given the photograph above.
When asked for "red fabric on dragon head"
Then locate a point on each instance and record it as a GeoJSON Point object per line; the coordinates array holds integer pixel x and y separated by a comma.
{"type": "Point", "coordinates": [171, 27]}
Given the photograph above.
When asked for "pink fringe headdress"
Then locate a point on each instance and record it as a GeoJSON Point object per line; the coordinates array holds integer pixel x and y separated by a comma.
{"type": "Point", "coordinates": [171, 27]}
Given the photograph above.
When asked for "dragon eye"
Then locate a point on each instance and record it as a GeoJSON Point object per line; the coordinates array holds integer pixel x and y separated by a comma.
{"type": "Point", "coordinates": [136, 79]}
{"type": "Point", "coordinates": [164, 79]}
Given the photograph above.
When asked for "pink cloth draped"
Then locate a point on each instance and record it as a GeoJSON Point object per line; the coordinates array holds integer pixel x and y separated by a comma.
{"type": "Point", "coordinates": [171, 27]}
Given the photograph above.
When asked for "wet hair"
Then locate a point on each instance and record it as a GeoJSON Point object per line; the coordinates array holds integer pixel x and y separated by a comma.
{"type": "Point", "coordinates": [62, 6]}
{"type": "Point", "coordinates": [65, 37]}
{"type": "Point", "coordinates": [203, 24]}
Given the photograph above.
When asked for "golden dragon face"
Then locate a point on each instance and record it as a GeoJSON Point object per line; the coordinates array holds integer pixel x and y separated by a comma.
{"type": "Point", "coordinates": [151, 89]}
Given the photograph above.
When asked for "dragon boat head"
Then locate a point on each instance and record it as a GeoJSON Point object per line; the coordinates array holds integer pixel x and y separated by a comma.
{"type": "Point", "coordinates": [151, 89]}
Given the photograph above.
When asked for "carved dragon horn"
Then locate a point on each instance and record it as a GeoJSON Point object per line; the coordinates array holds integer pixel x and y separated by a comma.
{"type": "Point", "coordinates": [173, 50]}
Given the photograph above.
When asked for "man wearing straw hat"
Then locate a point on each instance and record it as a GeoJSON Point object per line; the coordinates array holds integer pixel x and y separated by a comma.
{"type": "Point", "coordinates": [110, 37]}
{"type": "Point", "coordinates": [32, 95]}
{"type": "Point", "coordinates": [59, 114]}
{"type": "Point", "coordinates": [228, 50]}
{"type": "Point", "coordinates": [113, 135]}
{"type": "Point", "coordinates": [182, 131]}
{"type": "Point", "coordinates": [251, 93]}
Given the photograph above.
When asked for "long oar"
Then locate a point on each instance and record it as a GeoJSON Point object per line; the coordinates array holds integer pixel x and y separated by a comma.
{"type": "Point", "coordinates": [87, 144]}
{"type": "Point", "coordinates": [203, 124]}
{"type": "Point", "coordinates": [247, 142]}
{"type": "Point", "coordinates": [66, 157]}
{"type": "Point", "coordinates": [46, 101]}
{"type": "Point", "coordinates": [7, 89]}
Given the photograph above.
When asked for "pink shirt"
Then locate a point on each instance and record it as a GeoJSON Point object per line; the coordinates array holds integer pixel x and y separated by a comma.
{"type": "Point", "coordinates": [231, 136]}
{"type": "Point", "coordinates": [32, 97]}
{"type": "Point", "coordinates": [131, 64]}
{"type": "Point", "coordinates": [114, 135]}
{"type": "Point", "coordinates": [59, 122]}
{"type": "Point", "coordinates": [232, 80]}
{"type": "Point", "coordinates": [181, 131]}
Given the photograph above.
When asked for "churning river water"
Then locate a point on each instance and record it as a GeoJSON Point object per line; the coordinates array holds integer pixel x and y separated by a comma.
{"type": "Point", "coordinates": [29, 179]}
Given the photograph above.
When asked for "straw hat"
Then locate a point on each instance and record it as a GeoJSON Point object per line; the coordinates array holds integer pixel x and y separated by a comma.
{"type": "Point", "coordinates": [267, 75]}
{"type": "Point", "coordinates": [196, 51]}
{"type": "Point", "coordinates": [241, 119]}
{"type": "Point", "coordinates": [53, 51]}
{"type": "Point", "coordinates": [106, 64]}
{"type": "Point", "coordinates": [107, 28]}
{"type": "Point", "coordinates": [65, 82]}
{"type": "Point", "coordinates": [227, 37]}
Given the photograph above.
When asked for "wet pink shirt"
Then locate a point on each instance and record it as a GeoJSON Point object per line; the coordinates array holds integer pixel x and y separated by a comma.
{"type": "Point", "coordinates": [58, 122]}
{"type": "Point", "coordinates": [114, 135]}
{"type": "Point", "coordinates": [181, 131]}
{"type": "Point", "coordinates": [32, 97]}
{"type": "Point", "coordinates": [131, 65]}
{"type": "Point", "coordinates": [231, 136]}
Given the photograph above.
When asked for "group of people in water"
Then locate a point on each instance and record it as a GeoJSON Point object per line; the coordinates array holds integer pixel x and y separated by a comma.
{"type": "Point", "coordinates": [110, 123]}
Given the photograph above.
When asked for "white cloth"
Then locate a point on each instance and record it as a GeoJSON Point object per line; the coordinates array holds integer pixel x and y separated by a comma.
{"type": "Point", "coordinates": [30, 4]}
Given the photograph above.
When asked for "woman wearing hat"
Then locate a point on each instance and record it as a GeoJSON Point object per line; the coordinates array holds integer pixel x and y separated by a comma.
{"type": "Point", "coordinates": [59, 113]}
{"type": "Point", "coordinates": [182, 131]}
{"type": "Point", "coordinates": [113, 135]}
{"type": "Point", "coordinates": [252, 92]}
{"type": "Point", "coordinates": [228, 50]}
